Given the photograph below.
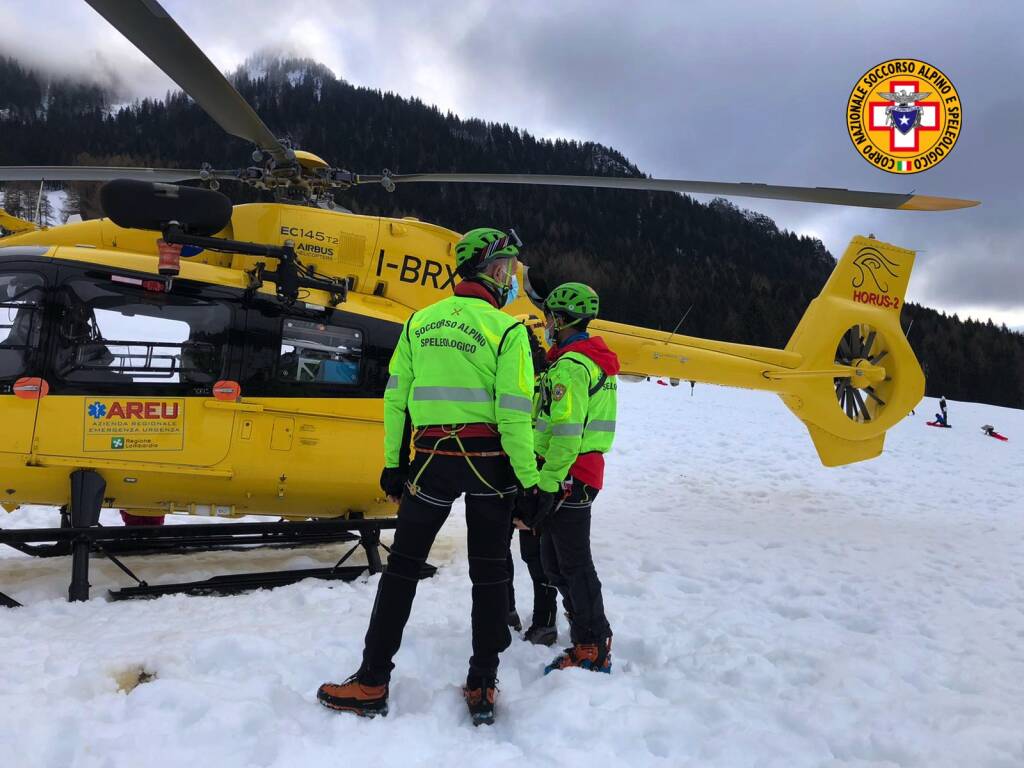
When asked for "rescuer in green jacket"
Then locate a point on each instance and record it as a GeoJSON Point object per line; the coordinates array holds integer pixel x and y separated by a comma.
{"type": "Point", "coordinates": [542, 629]}
{"type": "Point", "coordinates": [575, 427]}
{"type": "Point", "coordinates": [463, 373]}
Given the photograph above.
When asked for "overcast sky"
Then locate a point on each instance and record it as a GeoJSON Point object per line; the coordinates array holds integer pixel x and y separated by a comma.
{"type": "Point", "coordinates": [688, 89]}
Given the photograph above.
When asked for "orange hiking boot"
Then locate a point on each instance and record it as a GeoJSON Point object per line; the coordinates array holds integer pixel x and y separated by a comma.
{"type": "Point", "coordinates": [353, 696]}
{"type": "Point", "coordinates": [480, 695]}
{"type": "Point", "coordinates": [596, 657]}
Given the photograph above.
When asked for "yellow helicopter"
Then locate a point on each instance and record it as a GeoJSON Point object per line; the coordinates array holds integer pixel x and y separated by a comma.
{"type": "Point", "coordinates": [185, 356]}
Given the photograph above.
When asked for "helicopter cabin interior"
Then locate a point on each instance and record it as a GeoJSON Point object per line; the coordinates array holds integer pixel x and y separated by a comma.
{"type": "Point", "coordinates": [91, 330]}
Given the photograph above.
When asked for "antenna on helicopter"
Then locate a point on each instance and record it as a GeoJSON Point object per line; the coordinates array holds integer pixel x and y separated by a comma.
{"type": "Point", "coordinates": [679, 324]}
{"type": "Point", "coordinates": [39, 204]}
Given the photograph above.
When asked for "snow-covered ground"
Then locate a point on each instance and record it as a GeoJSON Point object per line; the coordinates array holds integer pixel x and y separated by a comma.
{"type": "Point", "coordinates": [767, 612]}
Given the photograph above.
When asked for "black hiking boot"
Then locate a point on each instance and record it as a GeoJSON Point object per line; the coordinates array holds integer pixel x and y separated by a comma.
{"type": "Point", "coordinates": [540, 634]}
{"type": "Point", "coordinates": [480, 693]}
{"type": "Point", "coordinates": [352, 696]}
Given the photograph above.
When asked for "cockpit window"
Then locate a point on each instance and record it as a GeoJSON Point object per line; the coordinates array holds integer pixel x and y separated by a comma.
{"type": "Point", "coordinates": [315, 352]}
{"type": "Point", "coordinates": [20, 322]}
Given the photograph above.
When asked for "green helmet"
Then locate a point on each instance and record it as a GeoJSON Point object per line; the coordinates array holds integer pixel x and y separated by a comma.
{"type": "Point", "coordinates": [575, 300]}
{"type": "Point", "coordinates": [481, 246]}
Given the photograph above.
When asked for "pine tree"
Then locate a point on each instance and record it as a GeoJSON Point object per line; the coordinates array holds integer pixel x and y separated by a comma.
{"type": "Point", "coordinates": [72, 204]}
{"type": "Point", "coordinates": [44, 215]}
{"type": "Point", "coordinates": [16, 201]}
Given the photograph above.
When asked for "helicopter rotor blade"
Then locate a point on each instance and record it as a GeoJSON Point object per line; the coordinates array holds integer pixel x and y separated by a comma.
{"type": "Point", "coordinates": [844, 348]}
{"type": "Point", "coordinates": [868, 344]}
{"type": "Point", "coordinates": [95, 173]}
{"type": "Point", "coordinates": [874, 396]}
{"type": "Point", "coordinates": [826, 195]}
{"type": "Point", "coordinates": [858, 400]}
{"type": "Point", "coordinates": [152, 30]}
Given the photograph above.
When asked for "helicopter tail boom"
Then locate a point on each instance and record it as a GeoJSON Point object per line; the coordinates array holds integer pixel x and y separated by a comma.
{"type": "Point", "coordinates": [847, 372]}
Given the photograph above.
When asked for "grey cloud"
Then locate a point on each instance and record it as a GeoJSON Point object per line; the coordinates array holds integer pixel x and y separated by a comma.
{"type": "Point", "coordinates": [700, 93]}
{"type": "Point", "coordinates": [985, 270]}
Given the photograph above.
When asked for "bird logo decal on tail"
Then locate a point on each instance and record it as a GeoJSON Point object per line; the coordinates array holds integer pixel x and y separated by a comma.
{"type": "Point", "coordinates": [871, 261]}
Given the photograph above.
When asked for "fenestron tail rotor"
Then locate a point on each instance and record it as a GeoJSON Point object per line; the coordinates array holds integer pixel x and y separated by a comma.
{"type": "Point", "coordinates": [860, 401]}
{"type": "Point", "coordinates": [858, 375]}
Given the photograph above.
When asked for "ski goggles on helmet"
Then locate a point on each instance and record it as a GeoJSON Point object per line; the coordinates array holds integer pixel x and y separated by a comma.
{"type": "Point", "coordinates": [511, 238]}
{"type": "Point", "coordinates": [486, 254]}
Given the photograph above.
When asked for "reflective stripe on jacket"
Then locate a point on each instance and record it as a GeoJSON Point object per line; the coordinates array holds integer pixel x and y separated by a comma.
{"type": "Point", "coordinates": [576, 415]}
{"type": "Point", "coordinates": [462, 361]}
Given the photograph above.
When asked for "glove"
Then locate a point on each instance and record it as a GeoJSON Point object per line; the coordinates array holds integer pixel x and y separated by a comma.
{"type": "Point", "coordinates": [545, 508]}
{"type": "Point", "coordinates": [392, 481]}
{"type": "Point", "coordinates": [535, 506]}
{"type": "Point", "coordinates": [526, 506]}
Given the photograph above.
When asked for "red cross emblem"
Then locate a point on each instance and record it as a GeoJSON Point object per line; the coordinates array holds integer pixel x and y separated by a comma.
{"type": "Point", "coordinates": [879, 120]}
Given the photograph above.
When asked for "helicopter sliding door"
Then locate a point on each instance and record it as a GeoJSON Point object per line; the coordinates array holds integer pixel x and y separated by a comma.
{"type": "Point", "coordinates": [317, 378]}
{"type": "Point", "coordinates": [132, 363]}
{"type": "Point", "coordinates": [22, 288]}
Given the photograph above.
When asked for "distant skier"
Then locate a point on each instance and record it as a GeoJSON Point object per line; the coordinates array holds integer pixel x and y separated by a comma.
{"type": "Point", "coordinates": [989, 430]}
{"type": "Point", "coordinates": [941, 419]}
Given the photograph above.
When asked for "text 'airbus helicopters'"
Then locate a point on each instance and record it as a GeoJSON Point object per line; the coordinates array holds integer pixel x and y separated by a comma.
{"type": "Point", "coordinates": [186, 356]}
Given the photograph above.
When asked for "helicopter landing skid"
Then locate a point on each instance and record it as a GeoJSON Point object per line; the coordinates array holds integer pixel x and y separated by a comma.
{"type": "Point", "coordinates": [215, 542]}
{"type": "Point", "coordinates": [243, 582]}
{"type": "Point", "coordinates": [80, 541]}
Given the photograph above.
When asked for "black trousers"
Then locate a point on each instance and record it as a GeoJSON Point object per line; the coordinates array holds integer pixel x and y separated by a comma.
{"type": "Point", "coordinates": [544, 593]}
{"type": "Point", "coordinates": [420, 517]}
{"type": "Point", "coordinates": [569, 565]}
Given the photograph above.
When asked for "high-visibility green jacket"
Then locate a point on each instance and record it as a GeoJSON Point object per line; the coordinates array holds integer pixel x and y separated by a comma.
{"type": "Point", "coordinates": [577, 409]}
{"type": "Point", "coordinates": [462, 361]}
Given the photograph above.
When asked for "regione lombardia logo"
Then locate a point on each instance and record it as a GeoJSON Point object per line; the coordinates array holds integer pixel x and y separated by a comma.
{"type": "Point", "coordinates": [904, 116]}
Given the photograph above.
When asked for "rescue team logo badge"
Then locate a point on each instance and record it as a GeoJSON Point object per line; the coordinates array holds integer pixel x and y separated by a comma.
{"type": "Point", "coordinates": [904, 116]}
{"type": "Point", "coordinates": [558, 392]}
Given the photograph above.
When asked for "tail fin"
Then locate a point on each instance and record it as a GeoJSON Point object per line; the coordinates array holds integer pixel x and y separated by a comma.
{"type": "Point", "coordinates": [855, 323]}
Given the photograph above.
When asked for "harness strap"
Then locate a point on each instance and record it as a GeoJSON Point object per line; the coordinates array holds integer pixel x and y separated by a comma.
{"type": "Point", "coordinates": [466, 430]}
{"type": "Point", "coordinates": [482, 454]}
{"type": "Point", "coordinates": [452, 433]}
